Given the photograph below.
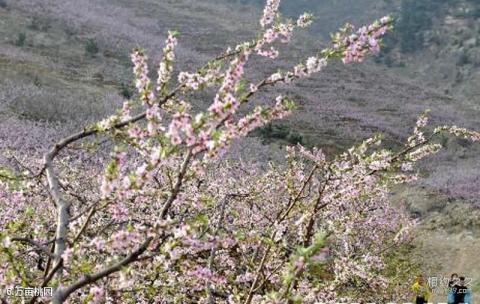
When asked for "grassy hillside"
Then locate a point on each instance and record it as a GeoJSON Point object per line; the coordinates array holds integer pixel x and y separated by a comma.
{"type": "Point", "coordinates": [435, 41]}
{"type": "Point", "coordinates": [438, 42]}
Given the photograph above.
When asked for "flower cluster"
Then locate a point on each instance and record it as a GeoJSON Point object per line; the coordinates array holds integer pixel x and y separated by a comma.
{"type": "Point", "coordinates": [143, 82]}
{"type": "Point", "coordinates": [110, 179]}
{"type": "Point", "coordinates": [282, 31]}
{"type": "Point", "coordinates": [269, 12]}
{"type": "Point", "coordinates": [418, 136]}
{"type": "Point", "coordinates": [460, 132]}
{"type": "Point", "coordinates": [262, 116]}
{"type": "Point", "coordinates": [154, 120]}
{"type": "Point", "coordinates": [122, 240]}
{"type": "Point", "coordinates": [206, 275]}
{"type": "Point", "coordinates": [424, 151]}
{"type": "Point", "coordinates": [97, 293]}
{"type": "Point", "coordinates": [195, 81]}
{"type": "Point", "coordinates": [311, 66]}
{"type": "Point", "coordinates": [305, 20]}
{"type": "Point", "coordinates": [225, 102]}
{"type": "Point", "coordinates": [181, 124]}
{"type": "Point", "coordinates": [355, 44]}
{"type": "Point", "coordinates": [166, 65]}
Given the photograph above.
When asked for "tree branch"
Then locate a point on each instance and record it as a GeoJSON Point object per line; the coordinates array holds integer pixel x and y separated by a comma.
{"type": "Point", "coordinates": [61, 205]}
{"type": "Point", "coordinates": [178, 184]}
{"type": "Point", "coordinates": [211, 259]}
{"type": "Point", "coordinates": [249, 298]}
{"type": "Point", "coordinates": [35, 244]}
{"type": "Point", "coordinates": [62, 294]}
{"type": "Point", "coordinates": [309, 230]}
{"type": "Point", "coordinates": [85, 224]}
{"type": "Point", "coordinates": [48, 277]}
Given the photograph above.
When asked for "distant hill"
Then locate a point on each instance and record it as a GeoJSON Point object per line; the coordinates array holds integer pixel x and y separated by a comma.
{"type": "Point", "coordinates": [435, 41]}
{"type": "Point", "coordinates": [73, 62]}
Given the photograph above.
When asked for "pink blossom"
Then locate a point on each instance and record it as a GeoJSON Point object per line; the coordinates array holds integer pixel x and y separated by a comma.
{"type": "Point", "coordinates": [98, 243]}
{"type": "Point", "coordinates": [269, 12]}
{"type": "Point", "coordinates": [165, 67]}
{"type": "Point", "coordinates": [135, 132]}
{"type": "Point", "coordinates": [305, 20]}
{"type": "Point", "coordinates": [356, 44]}
{"type": "Point", "coordinates": [271, 53]}
{"type": "Point", "coordinates": [122, 240]}
{"type": "Point", "coordinates": [98, 294]}
{"type": "Point", "coordinates": [140, 71]}
{"type": "Point", "coordinates": [275, 77]}
{"type": "Point", "coordinates": [67, 256]}
{"type": "Point", "coordinates": [126, 111]}
{"type": "Point", "coordinates": [205, 274]}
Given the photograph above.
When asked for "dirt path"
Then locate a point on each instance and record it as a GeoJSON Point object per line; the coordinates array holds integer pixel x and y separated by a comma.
{"type": "Point", "coordinates": [444, 253]}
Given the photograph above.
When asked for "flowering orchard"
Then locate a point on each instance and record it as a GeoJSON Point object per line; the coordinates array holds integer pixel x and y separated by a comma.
{"type": "Point", "coordinates": [165, 219]}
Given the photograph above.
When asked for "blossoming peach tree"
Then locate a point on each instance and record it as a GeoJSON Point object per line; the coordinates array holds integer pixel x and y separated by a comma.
{"type": "Point", "coordinates": [166, 220]}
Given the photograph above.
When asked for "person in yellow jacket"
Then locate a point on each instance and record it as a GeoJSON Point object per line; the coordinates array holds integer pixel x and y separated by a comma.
{"type": "Point", "coordinates": [421, 291]}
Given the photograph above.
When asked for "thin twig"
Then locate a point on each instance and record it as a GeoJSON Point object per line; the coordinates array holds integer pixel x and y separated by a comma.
{"type": "Point", "coordinates": [178, 184]}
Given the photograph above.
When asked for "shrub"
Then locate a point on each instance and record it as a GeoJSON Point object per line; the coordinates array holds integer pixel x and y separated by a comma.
{"type": "Point", "coordinates": [69, 29]}
{"type": "Point", "coordinates": [39, 24]}
{"type": "Point", "coordinates": [295, 138]}
{"type": "Point", "coordinates": [21, 38]}
{"type": "Point", "coordinates": [282, 132]}
{"type": "Point", "coordinates": [463, 59]}
{"type": "Point", "coordinates": [91, 47]}
{"type": "Point", "coordinates": [476, 12]}
{"type": "Point", "coordinates": [126, 91]}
